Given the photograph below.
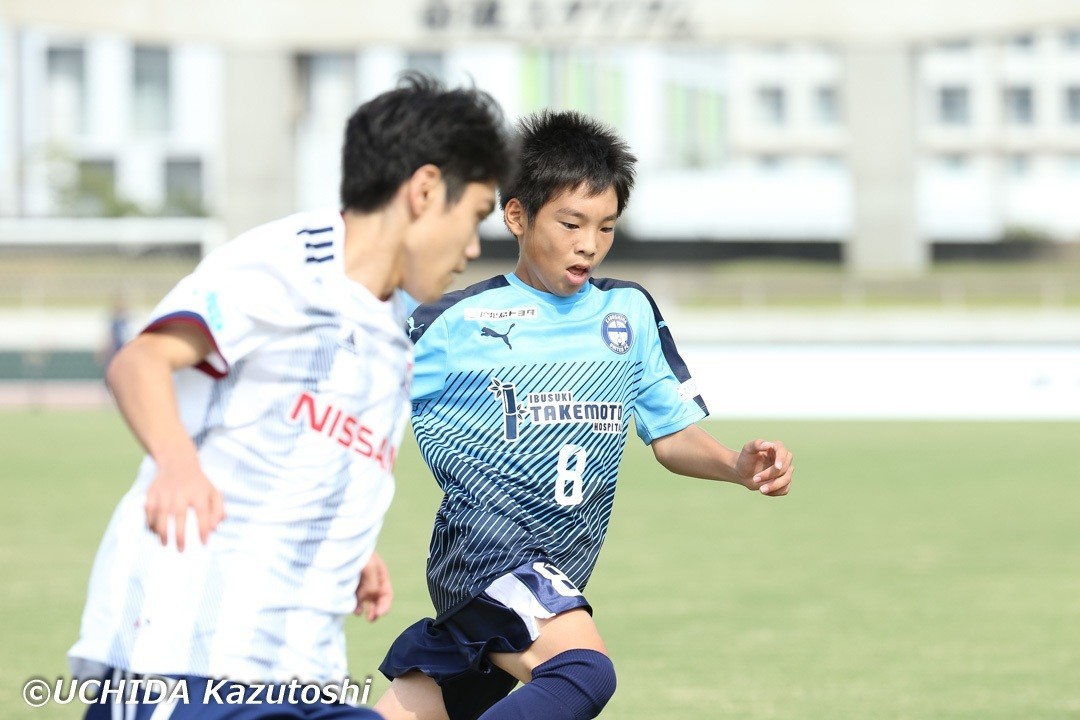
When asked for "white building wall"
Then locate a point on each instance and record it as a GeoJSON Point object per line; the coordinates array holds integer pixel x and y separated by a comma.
{"type": "Point", "coordinates": [379, 66]}
{"type": "Point", "coordinates": [329, 90]}
{"type": "Point", "coordinates": [787, 181]}
{"type": "Point", "coordinates": [198, 115]}
{"type": "Point", "coordinates": [979, 180]}
{"type": "Point", "coordinates": [494, 67]}
{"type": "Point", "coordinates": [644, 124]}
{"type": "Point", "coordinates": [9, 155]}
{"type": "Point", "coordinates": [108, 93]}
{"type": "Point", "coordinates": [33, 131]}
{"type": "Point", "coordinates": [53, 140]}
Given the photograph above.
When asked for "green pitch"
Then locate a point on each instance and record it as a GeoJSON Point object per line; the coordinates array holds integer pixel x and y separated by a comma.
{"type": "Point", "coordinates": [918, 570]}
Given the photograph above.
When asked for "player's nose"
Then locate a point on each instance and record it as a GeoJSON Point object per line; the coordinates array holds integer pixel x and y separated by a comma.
{"type": "Point", "coordinates": [472, 250]}
{"type": "Point", "coordinates": [587, 244]}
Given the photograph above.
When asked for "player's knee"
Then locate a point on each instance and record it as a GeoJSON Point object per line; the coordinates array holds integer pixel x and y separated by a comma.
{"type": "Point", "coordinates": [583, 680]}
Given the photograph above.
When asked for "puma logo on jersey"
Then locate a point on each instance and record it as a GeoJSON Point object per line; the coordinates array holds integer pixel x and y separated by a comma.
{"type": "Point", "coordinates": [415, 328]}
{"type": "Point", "coordinates": [505, 337]}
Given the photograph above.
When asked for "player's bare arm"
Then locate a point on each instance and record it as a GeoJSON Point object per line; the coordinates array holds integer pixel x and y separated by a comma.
{"type": "Point", "coordinates": [374, 593]}
{"type": "Point", "coordinates": [140, 377]}
{"type": "Point", "coordinates": [761, 465]}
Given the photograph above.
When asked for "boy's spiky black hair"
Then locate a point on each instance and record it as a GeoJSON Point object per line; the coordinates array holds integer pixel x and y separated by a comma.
{"type": "Point", "coordinates": [560, 151]}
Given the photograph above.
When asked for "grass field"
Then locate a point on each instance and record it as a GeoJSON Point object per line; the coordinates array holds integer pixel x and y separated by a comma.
{"type": "Point", "coordinates": [918, 570]}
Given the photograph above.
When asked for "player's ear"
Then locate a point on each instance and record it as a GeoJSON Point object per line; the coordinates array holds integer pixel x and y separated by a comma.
{"type": "Point", "coordinates": [514, 217]}
{"type": "Point", "coordinates": [422, 188]}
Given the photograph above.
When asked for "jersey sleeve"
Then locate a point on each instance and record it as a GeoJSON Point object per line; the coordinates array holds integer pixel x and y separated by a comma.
{"type": "Point", "coordinates": [668, 400]}
{"type": "Point", "coordinates": [238, 306]}
{"type": "Point", "coordinates": [432, 356]}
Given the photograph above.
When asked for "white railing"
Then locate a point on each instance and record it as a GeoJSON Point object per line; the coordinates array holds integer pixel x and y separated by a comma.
{"type": "Point", "coordinates": [133, 233]}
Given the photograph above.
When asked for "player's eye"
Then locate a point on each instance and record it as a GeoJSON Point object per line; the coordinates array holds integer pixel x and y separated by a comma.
{"type": "Point", "coordinates": [569, 226]}
{"type": "Point", "coordinates": [608, 229]}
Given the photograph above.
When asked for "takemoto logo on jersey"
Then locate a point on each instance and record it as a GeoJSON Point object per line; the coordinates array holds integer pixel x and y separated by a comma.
{"type": "Point", "coordinates": [559, 408]}
{"type": "Point", "coordinates": [344, 429]}
{"type": "Point", "coordinates": [554, 408]}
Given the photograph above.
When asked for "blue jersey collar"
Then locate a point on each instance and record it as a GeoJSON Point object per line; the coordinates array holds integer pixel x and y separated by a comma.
{"type": "Point", "coordinates": [550, 298]}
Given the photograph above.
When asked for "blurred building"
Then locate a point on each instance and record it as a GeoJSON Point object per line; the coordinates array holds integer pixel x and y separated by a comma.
{"type": "Point", "coordinates": [999, 131]}
{"type": "Point", "coordinates": [882, 136]}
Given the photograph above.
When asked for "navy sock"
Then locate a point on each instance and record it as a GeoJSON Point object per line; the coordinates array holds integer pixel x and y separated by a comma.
{"type": "Point", "coordinates": [574, 685]}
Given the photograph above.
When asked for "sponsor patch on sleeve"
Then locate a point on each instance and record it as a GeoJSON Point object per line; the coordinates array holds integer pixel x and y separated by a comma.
{"type": "Point", "coordinates": [688, 390]}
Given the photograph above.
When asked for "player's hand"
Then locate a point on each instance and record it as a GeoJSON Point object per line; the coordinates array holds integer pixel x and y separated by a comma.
{"type": "Point", "coordinates": [765, 467]}
{"type": "Point", "coordinates": [177, 487]}
{"type": "Point", "coordinates": [374, 594]}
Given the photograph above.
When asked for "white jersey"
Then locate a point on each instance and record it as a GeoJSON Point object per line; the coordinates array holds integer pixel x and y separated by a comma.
{"type": "Point", "coordinates": [297, 416]}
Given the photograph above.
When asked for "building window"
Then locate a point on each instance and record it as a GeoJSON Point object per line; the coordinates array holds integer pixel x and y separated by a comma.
{"type": "Point", "coordinates": [827, 105]}
{"type": "Point", "coordinates": [1024, 42]}
{"type": "Point", "coordinates": [327, 90]}
{"type": "Point", "coordinates": [1072, 164]}
{"type": "Point", "coordinates": [953, 162]}
{"type": "Point", "coordinates": [66, 93]}
{"type": "Point", "coordinates": [1072, 105]}
{"type": "Point", "coordinates": [830, 161]}
{"type": "Point", "coordinates": [1018, 164]}
{"type": "Point", "coordinates": [94, 193]}
{"type": "Point", "coordinates": [955, 46]}
{"type": "Point", "coordinates": [1019, 106]}
{"type": "Point", "coordinates": [151, 91]}
{"type": "Point", "coordinates": [573, 80]}
{"type": "Point", "coordinates": [770, 163]}
{"type": "Point", "coordinates": [772, 108]}
{"type": "Point", "coordinates": [429, 63]}
{"type": "Point", "coordinates": [694, 126]}
{"type": "Point", "coordinates": [184, 188]}
{"type": "Point", "coordinates": [954, 106]}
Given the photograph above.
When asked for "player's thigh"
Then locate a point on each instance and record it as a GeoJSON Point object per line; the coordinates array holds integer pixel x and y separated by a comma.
{"type": "Point", "coordinates": [413, 696]}
{"type": "Point", "coordinates": [571, 630]}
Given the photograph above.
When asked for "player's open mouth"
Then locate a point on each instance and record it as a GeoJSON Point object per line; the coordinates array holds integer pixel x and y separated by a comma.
{"type": "Point", "coordinates": [578, 273]}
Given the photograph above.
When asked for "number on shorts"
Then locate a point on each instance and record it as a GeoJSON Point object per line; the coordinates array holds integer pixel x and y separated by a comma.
{"type": "Point", "coordinates": [558, 579]}
{"type": "Point", "coordinates": [568, 483]}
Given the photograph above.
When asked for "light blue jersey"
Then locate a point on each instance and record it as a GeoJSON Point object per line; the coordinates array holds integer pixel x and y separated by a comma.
{"type": "Point", "coordinates": [521, 405]}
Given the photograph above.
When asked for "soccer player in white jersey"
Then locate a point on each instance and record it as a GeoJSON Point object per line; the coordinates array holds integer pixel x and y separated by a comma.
{"type": "Point", "coordinates": [270, 390]}
{"type": "Point", "coordinates": [524, 385]}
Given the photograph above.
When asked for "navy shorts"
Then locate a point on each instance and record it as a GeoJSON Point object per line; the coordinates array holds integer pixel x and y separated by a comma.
{"type": "Point", "coordinates": [238, 701]}
{"type": "Point", "coordinates": [502, 619]}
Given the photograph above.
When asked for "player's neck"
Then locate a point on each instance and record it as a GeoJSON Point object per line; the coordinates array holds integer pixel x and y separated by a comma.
{"type": "Point", "coordinates": [372, 248]}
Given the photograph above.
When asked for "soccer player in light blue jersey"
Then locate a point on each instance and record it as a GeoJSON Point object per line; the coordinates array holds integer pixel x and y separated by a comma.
{"type": "Point", "coordinates": [523, 389]}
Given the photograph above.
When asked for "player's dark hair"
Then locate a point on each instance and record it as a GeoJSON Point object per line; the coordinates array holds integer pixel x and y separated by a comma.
{"type": "Point", "coordinates": [561, 150]}
{"type": "Point", "coordinates": [461, 131]}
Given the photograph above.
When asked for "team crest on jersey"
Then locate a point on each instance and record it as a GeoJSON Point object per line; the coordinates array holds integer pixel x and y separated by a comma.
{"type": "Point", "coordinates": [617, 333]}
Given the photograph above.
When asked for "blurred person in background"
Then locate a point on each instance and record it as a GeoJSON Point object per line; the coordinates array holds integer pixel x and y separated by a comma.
{"type": "Point", "coordinates": [270, 390]}
{"type": "Point", "coordinates": [119, 332]}
{"type": "Point", "coordinates": [523, 391]}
